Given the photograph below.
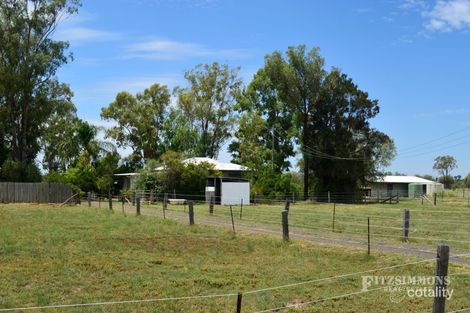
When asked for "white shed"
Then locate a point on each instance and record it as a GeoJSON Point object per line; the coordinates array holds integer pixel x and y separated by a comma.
{"type": "Point", "coordinates": [228, 190]}
{"type": "Point", "coordinates": [404, 186]}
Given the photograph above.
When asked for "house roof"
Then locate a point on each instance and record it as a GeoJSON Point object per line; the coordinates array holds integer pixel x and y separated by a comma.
{"type": "Point", "coordinates": [218, 165]}
{"type": "Point", "coordinates": [404, 179]}
{"type": "Point", "coordinates": [126, 174]}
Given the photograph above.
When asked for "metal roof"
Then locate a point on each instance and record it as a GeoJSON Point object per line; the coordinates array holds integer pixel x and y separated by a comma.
{"type": "Point", "coordinates": [126, 174]}
{"type": "Point", "coordinates": [404, 179]}
{"type": "Point", "coordinates": [218, 165]}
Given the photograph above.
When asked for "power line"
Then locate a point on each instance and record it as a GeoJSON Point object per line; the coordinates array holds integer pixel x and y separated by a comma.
{"type": "Point", "coordinates": [434, 150]}
{"type": "Point", "coordinates": [436, 139]}
{"type": "Point", "coordinates": [434, 144]}
{"type": "Point", "coordinates": [319, 154]}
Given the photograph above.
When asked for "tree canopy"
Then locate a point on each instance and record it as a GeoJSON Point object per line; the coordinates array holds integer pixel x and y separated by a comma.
{"type": "Point", "coordinates": [208, 104]}
{"type": "Point", "coordinates": [444, 165]}
{"type": "Point", "coordinates": [293, 99]}
{"type": "Point", "coordinates": [29, 60]}
{"type": "Point", "coordinates": [292, 106]}
{"type": "Point", "coordinates": [140, 120]}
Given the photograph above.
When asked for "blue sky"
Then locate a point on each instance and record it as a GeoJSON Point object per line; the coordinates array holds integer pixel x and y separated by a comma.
{"type": "Point", "coordinates": [411, 55]}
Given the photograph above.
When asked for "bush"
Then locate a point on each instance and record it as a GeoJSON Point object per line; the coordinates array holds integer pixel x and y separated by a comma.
{"type": "Point", "coordinates": [83, 177]}
{"type": "Point", "coordinates": [193, 178]}
{"type": "Point", "coordinates": [274, 184]}
{"type": "Point", "coordinates": [15, 171]}
{"type": "Point", "coordinates": [189, 179]}
{"type": "Point", "coordinates": [148, 177]}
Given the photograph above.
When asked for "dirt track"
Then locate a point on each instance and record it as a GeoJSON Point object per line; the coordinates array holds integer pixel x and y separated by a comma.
{"type": "Point", "coordinates": [335, 239]}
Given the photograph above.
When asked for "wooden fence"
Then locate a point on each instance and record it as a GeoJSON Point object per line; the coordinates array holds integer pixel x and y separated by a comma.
{"type": "Point", "coordinates": [34, 192]}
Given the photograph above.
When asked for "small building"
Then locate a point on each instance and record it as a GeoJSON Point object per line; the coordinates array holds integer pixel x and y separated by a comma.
{"type": "Point", "coordinates": [404, 186]}
{"type": "Point", "coordinates": [228, 170]}
{"type": "Point", "coordinates": [126, 181]}
{"type": "Point", "coordinates": [228, 190]}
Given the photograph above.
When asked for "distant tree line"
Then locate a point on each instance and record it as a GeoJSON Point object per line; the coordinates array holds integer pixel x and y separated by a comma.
{"type": "Point", "coordinates": [293, 107]}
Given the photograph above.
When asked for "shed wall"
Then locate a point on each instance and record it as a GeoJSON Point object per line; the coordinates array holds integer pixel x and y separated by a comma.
{"type": "Point", "coordinates": [233, 192]}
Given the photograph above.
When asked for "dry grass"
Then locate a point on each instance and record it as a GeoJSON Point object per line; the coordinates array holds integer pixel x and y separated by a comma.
{"type": "Point", "coordinates": [52, 255]}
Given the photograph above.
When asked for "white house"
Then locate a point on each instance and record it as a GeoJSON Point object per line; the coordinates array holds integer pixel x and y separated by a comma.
{"type": "Point", "coordinates": [228, 189]}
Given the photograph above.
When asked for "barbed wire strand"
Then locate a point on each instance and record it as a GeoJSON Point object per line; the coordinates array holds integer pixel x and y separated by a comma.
{"type": "Point", "coordinates": [344, 296]}
{"type": "Point", "coordinates": [58, 306]}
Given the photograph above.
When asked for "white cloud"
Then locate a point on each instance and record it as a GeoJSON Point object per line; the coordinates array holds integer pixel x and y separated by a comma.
{"type": "Point", "coordinates": [448, 15]}
{"type": "Point", "coordinates": [79, 35]}
{"type": "Point", "coordinates": [72, 28]}
{"type": "Point", "coordinates": [174, 50]}
{"type": "Point", "coordinates": [135, 84]}
{"type": "Point", "coordinates": [413, 5]}
{"type": "Point", "coordinates": [103, 92]}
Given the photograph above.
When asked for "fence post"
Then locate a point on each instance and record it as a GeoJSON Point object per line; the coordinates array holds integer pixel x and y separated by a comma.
{"type": "Point", "coordinates": [435, 198]}
{"type": "Point", "coordinates": [329, 197]}
{"type": "Point", "coordinates": [89, 198]}
{"type": "Point", "coordinates": [368, 236]}
{"type": "Point", "coordinates": [231, 215]}
{"type": "Point", "coordinates": [99, 202]}
{"type": "Point", "coordinates": [110, 199]}
{"type": "Point", "coordinates": [334, 213]}
{"type": "Point", "coordinates": [287, 206]}
{"type": "Point", "coordinates": [191, 212]}
{"type": "Point", "coordinates": [239, 302]}
{"type": "Point", "coordinates": [137, 206]}
{"type": "Point", "coordinates": [211, 205]}
{"type": "Point", "coordinates": [241, 208]}
{"type": "Point", "coordinates": [285, 225]}
{"type": "Point", "coordinates": [406, 224]}
{"type": "Point", "coordinates": [440, 289]}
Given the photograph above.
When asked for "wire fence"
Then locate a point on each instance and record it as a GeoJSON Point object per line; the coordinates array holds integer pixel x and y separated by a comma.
{"type": "Point", "coordinates": [253, 291]}
{"type": "Point", "coordinates": [427, 224]}
{"type": "Point", "coordinates": [329, 221]}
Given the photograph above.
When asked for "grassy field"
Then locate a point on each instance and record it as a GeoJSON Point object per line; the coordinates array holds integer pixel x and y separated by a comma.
{"type": "Point", "coordinates": [448, 222]}
{"type": "Point", "coordinates": [52, 255]}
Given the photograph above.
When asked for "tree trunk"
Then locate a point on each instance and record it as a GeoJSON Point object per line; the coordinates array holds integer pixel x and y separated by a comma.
{"type": "Point", "coordinates": [306, 178]}
{"type": "Point", "coordinates": [24, 133]}
{"type": "Point", "coordinates": [306, 162]}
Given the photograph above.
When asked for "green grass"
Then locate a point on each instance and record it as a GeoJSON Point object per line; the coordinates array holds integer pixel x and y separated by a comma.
{"type": "Point", "coordinates": [76, 254]}
{"type": "Point", "coordinates": [448, 222]}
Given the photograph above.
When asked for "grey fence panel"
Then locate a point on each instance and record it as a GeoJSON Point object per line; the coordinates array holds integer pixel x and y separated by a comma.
{"type": "Point", "coordinates": [34, 192]}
